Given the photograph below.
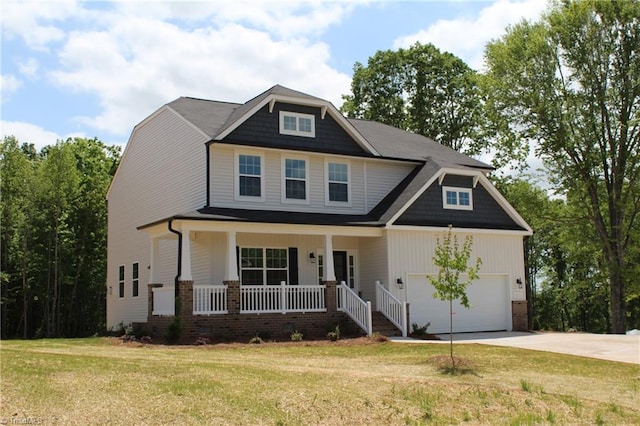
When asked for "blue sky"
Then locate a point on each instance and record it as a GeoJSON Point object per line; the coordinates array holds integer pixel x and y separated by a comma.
{"type": "Point", "coordinates": [98, 68]}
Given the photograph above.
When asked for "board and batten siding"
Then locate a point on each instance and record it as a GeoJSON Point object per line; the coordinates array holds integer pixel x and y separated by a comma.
{"type": "Point", "coordinates": [411, 252]}
{"type": "Point", "coordinates": [371, 180]}
{"type": "Point", "coordinates": [162, 173]}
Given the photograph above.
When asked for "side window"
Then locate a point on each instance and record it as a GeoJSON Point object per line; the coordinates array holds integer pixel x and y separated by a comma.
{"type": "Point", "coordinates": [250, 179]}
{"type": "Point", "coordinates": [295, 182]}
{"type": "Point", "coordinates": [121, 281]}
{"type": "Point", "coordinates": [457, 198]}
{"type": "Point", "coordinates": [135, 279]}
{"type": "Point", "coordinates": [337, 189]}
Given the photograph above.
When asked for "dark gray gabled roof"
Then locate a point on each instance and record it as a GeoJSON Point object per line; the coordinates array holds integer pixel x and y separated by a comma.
{"type": "Point", "coordinates": [208, 116]}
{"type": "Point", "coordinates": [397, 143]}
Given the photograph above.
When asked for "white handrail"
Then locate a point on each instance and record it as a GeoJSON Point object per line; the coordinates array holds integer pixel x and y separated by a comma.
{"type": "Point", "coordinates": [391, 307]}
{"type": "Point", "coordinates": [282, 298]}
{"type": "Point", "coordinates": [209, 299]}
{"type": "Point", "coordinates": [355, 307]}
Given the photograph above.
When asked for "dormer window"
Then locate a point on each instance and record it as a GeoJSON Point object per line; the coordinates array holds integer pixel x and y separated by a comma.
{"type": "Point", "coordinates": [293, 123]}
{"type": "Point", "coordinates": [457, 198]}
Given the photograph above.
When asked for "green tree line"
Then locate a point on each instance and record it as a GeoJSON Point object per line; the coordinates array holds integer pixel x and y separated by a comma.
{"type": "Point", "coordinates": [54, 229]}
{"type": "Point", "coordinates": [566, 89]}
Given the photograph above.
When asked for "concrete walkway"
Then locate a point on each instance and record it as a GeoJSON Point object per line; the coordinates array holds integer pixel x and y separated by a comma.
{"type": "Point", "coordinates": [611, 347]}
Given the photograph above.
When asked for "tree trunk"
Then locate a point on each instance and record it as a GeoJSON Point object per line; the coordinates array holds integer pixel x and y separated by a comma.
{"type": "Point", "coordinates": [616, 297]}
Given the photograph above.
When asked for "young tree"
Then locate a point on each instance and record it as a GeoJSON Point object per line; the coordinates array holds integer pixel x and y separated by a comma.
{"type": "Point", "coordinates": [568, 87]}
{"type": "Point", "coordinates": [452, 261]}
{"type": "Point", "coordinates": [420, 89]}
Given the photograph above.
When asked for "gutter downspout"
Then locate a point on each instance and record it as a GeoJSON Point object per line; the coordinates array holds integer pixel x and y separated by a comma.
{"type": "Point", "coordinates": [176, 280]}
{"type": "Point", "coordinates": [208, 172]}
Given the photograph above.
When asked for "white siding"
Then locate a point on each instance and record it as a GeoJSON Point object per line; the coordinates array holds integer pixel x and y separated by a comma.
{"type": "Point", "coordinates": [382, 177]}
{"type": "Point", "coordinates": [162, 173]}
{"type": "Point", "coordinates": [366, 191]}
{"type": "Point", "coordinates": [411, 252]}
{"type": "Point", "coordinates": [373, 266]}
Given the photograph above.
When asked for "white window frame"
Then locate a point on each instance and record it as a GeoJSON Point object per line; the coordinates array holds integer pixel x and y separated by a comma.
{"type": "Point", "coordinates": [265, 269]}
{"type": "Point", "coordinates": [297, 131]}
{"type": "Point", "coordinates": [285, 178]}
{"type": "Point", "coordinates": [327, 200]}
{"type": "Point", "coordinates": [458, 191]}
{"type": "Point", "coordinates": [239, 197]}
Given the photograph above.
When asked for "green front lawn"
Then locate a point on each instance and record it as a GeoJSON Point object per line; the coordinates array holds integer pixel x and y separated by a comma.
{"type": "Point", "coordinates": [102, 380]}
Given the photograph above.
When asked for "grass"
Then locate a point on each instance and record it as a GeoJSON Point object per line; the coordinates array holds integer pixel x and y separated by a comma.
{"type": "Point", "coordinates": [100, 380]}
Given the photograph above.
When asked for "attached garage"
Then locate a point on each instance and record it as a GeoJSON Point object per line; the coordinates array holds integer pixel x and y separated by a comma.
{"type": "Point", "coordinates": [489, 298]}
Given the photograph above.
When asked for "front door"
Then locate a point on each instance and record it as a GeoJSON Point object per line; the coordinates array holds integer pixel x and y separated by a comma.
{"type": "Point", "coordinates": [341, 267]}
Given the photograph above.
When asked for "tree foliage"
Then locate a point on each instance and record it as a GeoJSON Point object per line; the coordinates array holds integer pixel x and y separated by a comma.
{"type": "Point", "coordinates": [422, 90]}
{"type": "Point", "coordinates": [568, 86]}
{"type": "Point", "coordinates": [452, 261]}
{"type": "Point", "coordinates": [53, 233]}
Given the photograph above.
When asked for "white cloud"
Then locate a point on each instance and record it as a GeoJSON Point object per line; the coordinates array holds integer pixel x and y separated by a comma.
{"type": "Point", "coordinates": [29, 20]}
{"type": "Point", "coordinates": [467, 37]}
{"type": "Point", "coordinates": [29, 67]}
{"type": "Point", "coordinates": [29, 133]}
{"type": "Point", "coordinates": [141, 63]}
{"type": "Point", "coordinates": [9, 84]}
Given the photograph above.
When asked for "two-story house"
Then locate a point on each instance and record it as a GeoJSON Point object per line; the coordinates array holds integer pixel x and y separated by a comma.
{"type": "Point", "coordinates": [280, 214]}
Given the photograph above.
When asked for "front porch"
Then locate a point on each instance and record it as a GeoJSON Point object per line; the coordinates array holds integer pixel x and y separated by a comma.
{"type": "Point", "coordinates": [231, 310]}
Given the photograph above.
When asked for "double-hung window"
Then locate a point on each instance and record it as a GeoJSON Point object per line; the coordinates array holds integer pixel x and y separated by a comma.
{"type": "Point", "coordinates": [294, 123]}
{"type": "Point", "coordinates": [259, 266]}
{"type": "Point", "coordinates": [135, 281]}
{"type": "Point", "coordinates": [121, 281]}
{"type": "Point", "coordinates": [250, 176]}
{"type": "Point", "coordinates": [337, 190]}
{"type": "Point", "coordinates": [457, 198]}
{"type": "Point", "coordinates": [295, 183]}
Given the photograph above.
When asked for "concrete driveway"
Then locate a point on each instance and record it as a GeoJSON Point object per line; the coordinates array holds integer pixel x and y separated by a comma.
{"type": "Point", "coordinates": [611, 347]}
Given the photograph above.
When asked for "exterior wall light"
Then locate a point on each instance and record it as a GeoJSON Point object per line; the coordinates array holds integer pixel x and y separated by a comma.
{"type": "Point", "coordinates": [312, 257]}
{"type": "Point", "coordinates": [399, 283]}
{"type": "Point", "coordinates": [519, 282]}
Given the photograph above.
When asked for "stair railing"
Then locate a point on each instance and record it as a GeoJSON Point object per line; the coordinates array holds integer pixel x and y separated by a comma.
{"type": "Point", "coordinates": [355, 307]}
{"type": "Point", "coordinates": [391, 307]}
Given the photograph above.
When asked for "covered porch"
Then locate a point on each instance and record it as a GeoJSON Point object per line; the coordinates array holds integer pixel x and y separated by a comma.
{"type": "Point", "coordinates": [235, 279]}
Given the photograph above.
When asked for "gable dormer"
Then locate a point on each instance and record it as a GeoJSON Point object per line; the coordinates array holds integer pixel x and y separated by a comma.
{"type": "Point", "coordinates": [286, 119]}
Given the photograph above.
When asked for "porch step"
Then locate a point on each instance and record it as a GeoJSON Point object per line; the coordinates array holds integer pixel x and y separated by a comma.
{"type": "Point", "coordinates": [383, 326]}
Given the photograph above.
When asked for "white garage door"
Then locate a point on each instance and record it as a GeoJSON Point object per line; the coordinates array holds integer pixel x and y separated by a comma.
{"type": "Point", "coordinates": [488, 296]}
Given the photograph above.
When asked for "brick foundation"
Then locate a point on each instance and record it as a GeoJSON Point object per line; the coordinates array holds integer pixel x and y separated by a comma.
{"type": "Point", "coordinates": [519, 317]}
{"type": "Point", "coordinates": [235, 326]}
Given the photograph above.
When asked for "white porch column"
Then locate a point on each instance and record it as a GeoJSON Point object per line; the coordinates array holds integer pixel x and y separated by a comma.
{"type": "Point", "coordinates": [231, 273]}
{"type": "Point", "coordinates": [329, 269]}
{"type": "Point", "coordinates": [185, 273]}
{"type": "Point", "coordinates": [153, 261]}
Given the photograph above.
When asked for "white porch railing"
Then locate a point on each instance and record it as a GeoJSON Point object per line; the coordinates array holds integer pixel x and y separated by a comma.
{"type": "Point", "coordinates": [163, 301]}
{"type": "Point", "coordinates": [209, 299]}
{"type": "Point", "coordinates": [260, 299]}
{"type": "Point", "coordinates": [355, 307]}
{"type": "Point", "coordinates": [391, 307]}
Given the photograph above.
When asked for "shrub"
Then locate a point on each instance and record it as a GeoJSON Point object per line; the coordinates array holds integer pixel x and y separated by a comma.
{"type": "Point", "coordinates": [202, 340]}
{"type": "Point", "coordinates": [296, 336]}
{"type": "Point", "coordinates": [377, 337]}
{"type": "Point", "coordinates": [419, 330]}
{"type": "Point", "coordinates": [174, 330]}
{"type": "Point", "coordinates": [256, 340]}
{"type": "Point", "coordinates": [334, 335]}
